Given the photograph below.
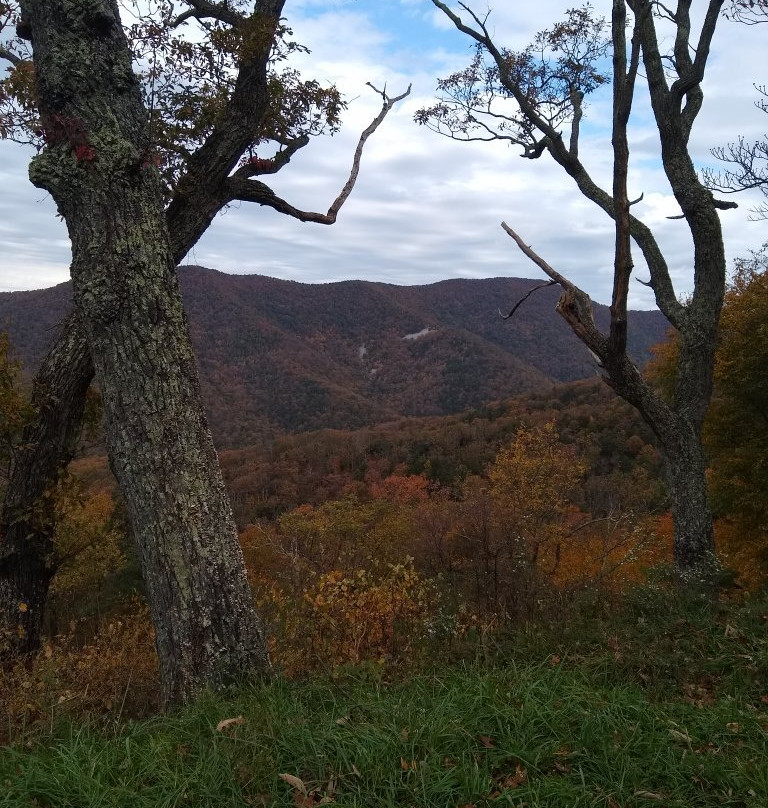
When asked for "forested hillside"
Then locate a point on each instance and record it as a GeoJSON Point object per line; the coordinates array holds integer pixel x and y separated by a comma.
{"type": "Point", "coordinates": [279, 356]}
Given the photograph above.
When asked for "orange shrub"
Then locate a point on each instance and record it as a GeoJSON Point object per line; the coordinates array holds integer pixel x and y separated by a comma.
{"type": "Point", "coordinates": [348, 617]}
{"type": "Point", "coordinates": [115, 674]}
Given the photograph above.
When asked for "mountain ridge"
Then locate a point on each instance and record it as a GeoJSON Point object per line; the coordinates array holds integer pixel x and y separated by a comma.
{"type": "Point", "coordinates": [278, 356]}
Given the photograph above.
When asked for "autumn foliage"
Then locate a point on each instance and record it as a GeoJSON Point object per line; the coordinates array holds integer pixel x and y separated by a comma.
{"type": "Point", "coordinates": [384, 545]}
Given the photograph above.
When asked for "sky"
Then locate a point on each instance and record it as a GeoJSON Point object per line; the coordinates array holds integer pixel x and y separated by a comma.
{"type": "Point", "coordinates": [427, 208]}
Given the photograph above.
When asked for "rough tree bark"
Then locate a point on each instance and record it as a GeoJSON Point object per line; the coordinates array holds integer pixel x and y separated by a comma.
{"type": "Point", "coordinates": [677, 425]}
{"type": "Point", "coordinates": [205, 187]}
{"type": "Point", "coordinates": [126, 294]}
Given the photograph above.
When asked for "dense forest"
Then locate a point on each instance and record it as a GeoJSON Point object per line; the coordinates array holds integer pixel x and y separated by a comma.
{"type": "Point", "coordinates": [279, 356]}
{"type": "Point", "coordinates": [562, 489]}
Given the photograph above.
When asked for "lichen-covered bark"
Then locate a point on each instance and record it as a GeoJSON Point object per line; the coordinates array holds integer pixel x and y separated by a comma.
{"type": "Point", "coordinates": [27, 521]}
{"type": "Point", "coordinates": [96, 167]}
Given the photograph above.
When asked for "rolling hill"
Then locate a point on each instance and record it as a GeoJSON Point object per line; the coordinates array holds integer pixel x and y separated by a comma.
{"type": "Point", "coordinates": [279, 356]}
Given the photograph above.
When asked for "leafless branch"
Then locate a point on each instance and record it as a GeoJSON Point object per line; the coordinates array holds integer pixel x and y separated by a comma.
{"type": "Point", "coordinates": [575, 305]}
{"type": "Point", "coordinates": [258, 167]}
{"type": "Point", "coordinates": [204, 10]}
{"type": "Point", "coordinates": [239, 187]}
{"type": "Point", "coordinates": [9, 56]}
{"type": "Point", "coordinates": [525, 297]}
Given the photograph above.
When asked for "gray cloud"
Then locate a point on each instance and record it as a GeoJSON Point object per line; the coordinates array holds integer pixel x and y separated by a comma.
{"type": "Point", "coordinates": [426, 208]}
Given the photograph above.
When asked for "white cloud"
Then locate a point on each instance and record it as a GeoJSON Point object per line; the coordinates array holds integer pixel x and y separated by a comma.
{"type": "Point", "coordinates": [427, 208]}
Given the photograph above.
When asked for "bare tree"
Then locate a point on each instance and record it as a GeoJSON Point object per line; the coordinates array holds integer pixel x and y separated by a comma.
{"type": "Point", "coordinates": [528, 98]}
{"type": "Point", "coordinates": [747, 162]}
{"type": "Point", "coordinates": [136, 195]}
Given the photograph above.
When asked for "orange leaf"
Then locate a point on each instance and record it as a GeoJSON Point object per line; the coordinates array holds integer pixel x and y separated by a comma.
{"type": "Point", "coordinates": [514, 780]}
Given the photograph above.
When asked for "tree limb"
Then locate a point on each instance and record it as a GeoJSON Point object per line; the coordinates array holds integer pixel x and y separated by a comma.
{"type": "Point", "coordinates": [257, 167]}
{"type": "Point", "coordinates": [204, 10]}
{"type": "Point", "coordinates": [525, 297]}
{"type": "Point", "coordinates": [240, 187]}
{"type": "Point", "coordinates": [11, 57]}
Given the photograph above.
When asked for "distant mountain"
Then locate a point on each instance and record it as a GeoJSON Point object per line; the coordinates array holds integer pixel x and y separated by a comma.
{"type": "Point", "coordinates": [280, 356]}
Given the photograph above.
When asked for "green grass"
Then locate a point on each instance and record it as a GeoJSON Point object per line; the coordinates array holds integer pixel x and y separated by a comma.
{"type": "Point", "coordinates": [652, 707]}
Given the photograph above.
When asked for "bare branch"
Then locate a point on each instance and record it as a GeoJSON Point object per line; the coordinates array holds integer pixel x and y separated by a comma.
{"type": "Point", "coordinates": [574, 305]}
{"type": "Point", "coordinates": [387, 104]}
{"type": "Point", "coordinates": [9, 56]}
{"type": "Point", "coordinates": [257, 166]}
{"type": "Point", "coordinates": [204, 10]}
{"type": "Point", "coordinates": [525, 297]}
{"type": "Point", "coordinates": [750, 169]}
{"type": "Point", "coordinates": [623, 94]}
{"type": "Point", "coordinates": [529, 252]}
{"type": "Point", "coordinates": [689, 83]}
{"type": "Point", "coordinates": [239, 187]}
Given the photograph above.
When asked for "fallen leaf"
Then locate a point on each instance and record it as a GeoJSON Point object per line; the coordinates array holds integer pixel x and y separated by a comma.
{"type": "Point", "coordinates": [680, 736]}
{"type": "Point", "coordinates": [486, 741]}
{"type": "Point", "coordinates": [513, 780]}
{"type": "Point", "coordinates": [649, 795]}
{"type": "Point", "coordinates": [733, 726]}
{"type": "Point", "coordinates": [229, 722]}
{"type": "Point", "coordinates": [294, 782]}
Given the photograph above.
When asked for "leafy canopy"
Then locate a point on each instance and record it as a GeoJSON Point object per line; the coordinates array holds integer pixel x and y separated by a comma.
{"type": "Point", "coordinates": [189, 68]}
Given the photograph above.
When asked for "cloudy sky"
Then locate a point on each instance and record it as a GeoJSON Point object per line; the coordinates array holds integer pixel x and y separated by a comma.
{"type": "Point", "coordinates": [427, 208]}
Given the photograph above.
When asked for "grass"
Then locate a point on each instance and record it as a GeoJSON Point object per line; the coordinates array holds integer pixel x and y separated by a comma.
{"type": "Point", "coordinates": [650, 707]}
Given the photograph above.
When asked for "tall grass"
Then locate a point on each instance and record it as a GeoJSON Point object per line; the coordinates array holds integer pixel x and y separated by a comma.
{"type": "Point", "coordinates": [650, 707]}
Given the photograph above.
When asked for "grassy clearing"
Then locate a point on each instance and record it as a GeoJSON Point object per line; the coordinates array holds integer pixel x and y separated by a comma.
{"type": "Point", "coordinates": [661, 707]}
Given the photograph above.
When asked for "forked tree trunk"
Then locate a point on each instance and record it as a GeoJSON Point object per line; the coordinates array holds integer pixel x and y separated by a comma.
{"type": "Point", "coordinates": [27, 521]}
{"type": "Point", "coordinates": [97, 167]}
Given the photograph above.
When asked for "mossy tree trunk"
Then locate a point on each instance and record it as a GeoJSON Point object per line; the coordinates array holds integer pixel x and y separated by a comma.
{"type": "Point", "coordinates": [97, 166]}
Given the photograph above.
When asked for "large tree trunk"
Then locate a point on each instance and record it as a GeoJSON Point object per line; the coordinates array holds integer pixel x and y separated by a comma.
{"type": "Point", "coordinates": [27, 521]}
{"type": "Point", "coordinates": [687, 479]}
{"type": "Point", "coordinates": [96, 167]}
